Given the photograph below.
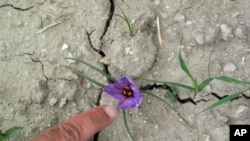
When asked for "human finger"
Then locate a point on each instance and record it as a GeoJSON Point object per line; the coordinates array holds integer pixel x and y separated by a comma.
{"type": "Point", "coordinates": [80, 127]}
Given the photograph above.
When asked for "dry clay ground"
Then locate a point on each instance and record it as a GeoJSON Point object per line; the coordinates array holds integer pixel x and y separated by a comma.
{"type": "Point", "coordinates": [36, 35]}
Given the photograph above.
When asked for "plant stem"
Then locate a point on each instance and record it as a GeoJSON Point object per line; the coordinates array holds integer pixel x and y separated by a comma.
{"type": "Point", "coordinates": [126, 125]}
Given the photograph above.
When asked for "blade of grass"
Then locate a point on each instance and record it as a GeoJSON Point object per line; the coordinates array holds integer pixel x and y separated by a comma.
{"type": "Point", "coordinates": [94, 68]}
{"type": "Point", "coordinates": [3, 138]}
{"type": "Point", "coordinates": [13, 132]}
{"type": "Point", "coordinates": [128, 22]}
{"type": "Point", "coordinates": [222, 78]}
{"type": "Point", "coordinates": [162, 100]}
{"type": "Point", "coordinates": [84, 76]}
{"type": "Point", "coordinates": [171, 96]}
{"type": "Point", "coordinates": [222, 101]}
{"type": "Point", "coordinates": [231, 80]}
{"type": "Point", "coordinates": [205, 83]}
{"type": "Point", "coordinates": [126, 125]}
{"type": "Point", "coordinates": [186, 70]}
{"type": "Point", "coordinates": [125, 3]}
{"type": "Point", "coordinates": [164, 82]}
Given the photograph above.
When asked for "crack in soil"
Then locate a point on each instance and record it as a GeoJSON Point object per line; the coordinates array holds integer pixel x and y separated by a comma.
{"type": "Point", "coordinates": [40, 62]}
{"type": "Point", "coordinates": [14, 7]}
{"type": "Point", "coordinates": [189, 99]}
{"type": "Point", "coordinates": [101, 53]}
{"type": "Point", "coordinates": [110, 16]}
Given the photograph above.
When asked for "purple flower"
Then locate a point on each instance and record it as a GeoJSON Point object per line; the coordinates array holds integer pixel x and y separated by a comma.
{"type": "Point", "coordinates": [126, 92]}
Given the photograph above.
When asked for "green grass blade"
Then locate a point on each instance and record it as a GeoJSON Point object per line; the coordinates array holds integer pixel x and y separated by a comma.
{"type": "Point", "coordinates": [13, 132]}
{"type": "Point", "coordinates": [126, 125]}
{"type": "Point", "coordinates": [222, 101]}
{"type": "Point", "coordinates": [205, 83]}
{"type": "Point", "coordinates": [182, 40]}
{"type": "Point", "coordinates": [84, 76]}
{"type": "Point", "coordinates": [180, 85]}
{"type": "Point", "coordinates": [171, 95]}
{"type": "Point", "coordinates": [222, 78]}
{"type": "Point", "coordinates": [120, 16]}
{"type": "Point", "coordinates": [231, 80]}
{"type": "Point", "coordinates": [163, 82]}
{"type": "Point", "coordinates": [186, 70]}
{"type": "Point", "coordinates": [129, 23]}
{"type": "Point", "coordinates": [2, 136]}
{"type": "Point", "coordinates": [162, 100]}
{"type": "Point", "coordinates": [93, 67]}
{"type": "Point", "coordinates": [125, 3]}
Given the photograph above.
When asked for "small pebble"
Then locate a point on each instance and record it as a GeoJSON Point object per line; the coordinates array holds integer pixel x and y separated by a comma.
{"type": "Point", "coordinates": [200, 38]}
{"type": "Point", "coordinates": [157, 2]}
{"type": "Point", "coordinates": [229, 67]}
{"type": "Point", "coordinates": [179, 18]}
{"type": "Point", "coordinates": [37, 96]}
{"type": "Point", "coordinates": [188, 23]}
{"type": "Point", "coordinates": [63, 102]}
{"type": "Point", "coordinates": [53, 101]}
{"type": "Point", "coordinates": [156, 126]}
{"type": "Point", "coordinates": [105, 60]}
{"type": "Point", "coordinates": [241, 32]}
{"type": "Point", "coordinates": [18, 23]}
{"type": "Point", "coordinates": [241, 110]}
{"type": "Point", "coordinates": [226, 32]}
{"type": "Point", "coordinates": [65, 46]}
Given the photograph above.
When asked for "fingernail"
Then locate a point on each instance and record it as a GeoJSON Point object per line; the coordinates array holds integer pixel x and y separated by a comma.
{"type": "Point", "coordinates": [110, 111]}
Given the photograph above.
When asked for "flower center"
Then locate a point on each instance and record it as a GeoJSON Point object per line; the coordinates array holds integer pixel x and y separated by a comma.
{"type": "Point", "coordinates": [127, 91]}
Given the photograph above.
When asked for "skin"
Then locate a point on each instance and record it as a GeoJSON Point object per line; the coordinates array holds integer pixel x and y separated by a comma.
{"type": "Point", "coordinates": [80, 127]}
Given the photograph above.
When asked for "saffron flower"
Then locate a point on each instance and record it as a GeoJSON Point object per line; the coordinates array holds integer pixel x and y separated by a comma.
{"type": "Point", "coordinates": [126, 92]}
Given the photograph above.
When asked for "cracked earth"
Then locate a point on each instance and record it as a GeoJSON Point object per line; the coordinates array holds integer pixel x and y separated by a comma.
{"type": "Point", "coordinates": [37, 93]}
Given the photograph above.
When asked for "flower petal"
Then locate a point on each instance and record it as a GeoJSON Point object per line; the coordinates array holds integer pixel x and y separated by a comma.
{"type": "Point", "coordinates": [122, 82]}
{"type": "Point", "coordinates": [114, 92]}
{"type": "Point", "coordinates": [129, 103]}
{"type": "Point", "coordinates": [131, 82]}
{"type": "Point", "coordinates": [136, 91]}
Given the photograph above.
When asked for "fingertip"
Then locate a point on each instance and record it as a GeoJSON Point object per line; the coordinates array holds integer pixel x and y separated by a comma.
{"type": "Point", "coordinates": [110, 111]}
{"type": "Point", "coordinates": [82, 126]}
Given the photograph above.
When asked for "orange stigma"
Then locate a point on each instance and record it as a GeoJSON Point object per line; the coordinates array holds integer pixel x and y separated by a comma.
{"type": "Point", "coordinates": [127, 91]}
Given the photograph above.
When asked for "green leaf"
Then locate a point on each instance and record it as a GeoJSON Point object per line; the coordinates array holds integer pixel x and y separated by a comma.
{"type": "Point", "coordinates": [222, 101]}
{"type": "Point", "coordinates": [13, 132]}
{"type": "Point", "coordinates": [205, 83]}
{"type": "Point", "coordinates": [84, 76]}
{"type": "Point", "coordinates": [93, 67]}
{"type": "Point", "coordinates": [171, 96]}
{"type": "Point", "coordinates": [180, 85]}
{"type": "Point", "coordinates": [128, 22]}
{"type": "Point", "coordinates": [125, 3]}
{"type": "Point", "coordinates": [222, 78]}
{"type": "Point", "coordinates": [162, 100]}
{"type": "Point", "coordinates": [231, 80]}
{"type": "Point", "coordinates": [126, 125]}
{"type": "Point", "coordinates": [182, 40]}
{"type": "Point", "coordinates": [186, 70]}
{"type": "Point", "coordinates": [3, 138]}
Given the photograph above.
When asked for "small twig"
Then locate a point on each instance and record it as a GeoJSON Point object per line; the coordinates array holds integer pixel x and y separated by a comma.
{"type": "Point", "coordinates": [159, 31]}
{"type": "Point", "coordinates": [48, 27]}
